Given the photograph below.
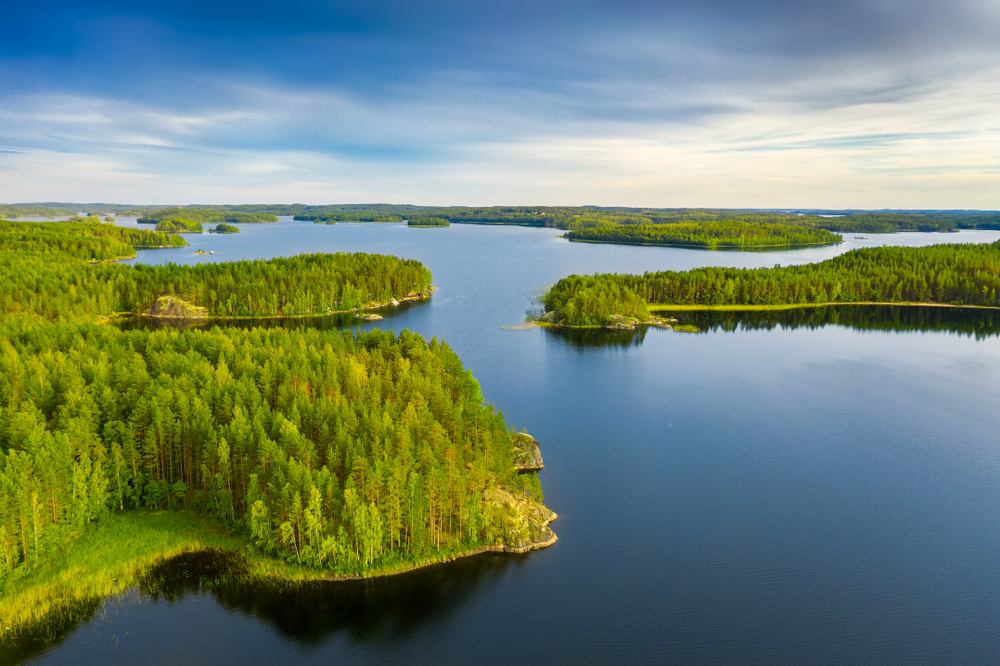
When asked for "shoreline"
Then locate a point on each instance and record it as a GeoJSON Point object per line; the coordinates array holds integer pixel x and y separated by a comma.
{"type": "Point", "coordinates": [479, 550]}
{"type": "Point", "coordinates": [668, 324]}
{"type": "Point", "coordinates": [73, 589]}
{"type": "Point", "coordinates": [664, 307]}
{"type": "Point", "coordinates": [413, 298]}
{"type": "Point", "coordinates": [740, 248]}
{"type": "Point", "coordinates": [655, 321]}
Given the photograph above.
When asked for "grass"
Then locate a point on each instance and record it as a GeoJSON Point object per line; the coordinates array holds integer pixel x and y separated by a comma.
{"type": "Point", "coordinates": [102, 563]}
{"type": "Point", "coordinates": [119, 553]}
{"type": "Point", "coordinates": [110, 559]}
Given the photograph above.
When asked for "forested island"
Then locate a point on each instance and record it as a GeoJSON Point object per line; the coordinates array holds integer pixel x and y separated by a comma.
{"type": "Point", "coordinates": [310, 453]}
{"type": "Point", "coordinates": [952, 275]}
{"type": "Point", "coordinates": [711, 235]}
{"type": "Point", "coordinates": [428, 222]}
{"type": "Point", "coordinates": [179, 226]}
{"type": "Point", "coordinates": [223, 228]}
{"type": "Point", "coordinates": [204, 216]}
{"type": "Point", "coordinates": [348, 217]}
{"type": "Point", "coordinates": [45, 272]}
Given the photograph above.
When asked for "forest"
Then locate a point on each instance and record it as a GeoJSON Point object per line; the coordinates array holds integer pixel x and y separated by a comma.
{"type": "Point", "coordinates": [422, 221]}
{"type": "Point", "coordinates": [348, 452]}
{"type": "Point", "coordinates": [712, 235]}
{"type": "Point", "coordinates": [79, 238]}
{"type": "Point", "coordinates": [327, 448]}
{"type": "Point", "coordinates": [953, 274]}
{"type": "Point", "coordinates": [179, 226]}
{"type": "Point", "coordinates": [223, 228]}
{"type": "Point", "coordinates": [559, 217]}
{"type": "Point", "coordinates": [348, 217]}
{"type": "Point", "coordinates": [46, 273]}
{"type": "Point", "coordinates": [204, 216]}
{"type": "Point", "coordinates": [13, 212]}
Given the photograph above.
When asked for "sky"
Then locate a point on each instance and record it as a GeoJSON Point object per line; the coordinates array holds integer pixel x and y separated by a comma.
{"type": "Point", "coordinates": [668, 103]}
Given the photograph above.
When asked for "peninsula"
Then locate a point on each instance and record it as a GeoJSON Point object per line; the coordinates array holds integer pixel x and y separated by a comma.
{"type": "Point", "coordinates": [311, 454]}
{"type": "Point", "coordinates": [950, 275]}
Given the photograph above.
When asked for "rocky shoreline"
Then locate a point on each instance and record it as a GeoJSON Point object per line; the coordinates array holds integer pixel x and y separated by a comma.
{"type": "Point", "coordinates": [170, 306]}
{"type": "Point", "coordinates": [618, 322]}
{"type": "Point", "coordinates": [536, 524]}
{"type": "Point", "coordinates": [526, 523]}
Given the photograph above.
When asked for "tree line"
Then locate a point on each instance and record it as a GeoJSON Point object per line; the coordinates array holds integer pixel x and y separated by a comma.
{"type": "Point", "coordinates": [45, 273]}
{"type": "Point", "coordinates": [348, 217]}
{"type": "Point", "coordinates": [955, 274]}
{"type": "Point", "coordinates": [712, 235]}
{"type": "Point", "coordinates": [79, 238]}
{"type": "Point", "coordinates": [205, 216]}
{"type": "Point", "coordinates": [179, 226]}
{"type": "Point", "coordinates": [328, 449]}
{"type": "Point", "coordinates": [423, 221]}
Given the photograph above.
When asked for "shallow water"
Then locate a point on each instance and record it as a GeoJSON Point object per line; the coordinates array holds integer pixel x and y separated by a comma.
{"type": "Point", "coordinates": [753, 494]}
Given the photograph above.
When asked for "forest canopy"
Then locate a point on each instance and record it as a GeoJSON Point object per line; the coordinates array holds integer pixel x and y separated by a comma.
{"type": "Point", "coordinates": [422, 221]}
{"type": "Point", "coordinates": [350, 453]}
{"type": "Point", "coordinates": [205, 216]}
{"type": "Point", "coordinates": [348, 217]}
{"type": "Point", "coordinates": [560, 217]}
{"type": "Point", "coordinates": [953, 274]}
{"type": "Point", "coordinates": [328, 449]}
{"type": "Point", "coordinates": [45, 271]}
{"type": "Point", "coordinates": [177, 226]}
{"type": "Point", "coordinates": [712, 235]}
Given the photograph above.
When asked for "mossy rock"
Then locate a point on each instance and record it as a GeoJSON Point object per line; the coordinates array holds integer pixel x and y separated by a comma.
{"type": "Point", "coordinates": [527, 453]}
{"type": "Point", "coordinates": [525, 521]}
{"type": "Point", "coordinates": [176, 307]}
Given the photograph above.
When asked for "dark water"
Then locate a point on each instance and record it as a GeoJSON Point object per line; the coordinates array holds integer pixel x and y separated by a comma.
{"type": "Point", "coordinates": [807, 491]}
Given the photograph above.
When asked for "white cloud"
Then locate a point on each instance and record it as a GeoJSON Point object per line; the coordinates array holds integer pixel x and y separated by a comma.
{"type": "Point", "coordinates": [884, 139]}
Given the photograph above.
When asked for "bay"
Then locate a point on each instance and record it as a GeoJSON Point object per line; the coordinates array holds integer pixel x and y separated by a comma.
{"type": "Point", "coordinates": [745, 495]}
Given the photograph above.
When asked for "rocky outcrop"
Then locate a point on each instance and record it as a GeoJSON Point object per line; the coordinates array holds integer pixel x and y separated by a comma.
{"type": "Point", "coordinates": [175, 307]}
{"type": "Point", "coordinates": [525, 520]}
{"type": "Point", "coordinates": [527, 454]}
{"type": "Point", "coordinates": [623, 323]}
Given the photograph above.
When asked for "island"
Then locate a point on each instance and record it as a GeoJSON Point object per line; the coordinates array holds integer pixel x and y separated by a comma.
{"type": "Point", "coordinates": [306, 454]}
{"type": "Point", "coordinates": [428, 222]}
{"type": "Point", "coordinates": [947, 275]}
{"type": "Point", "coordinates": [205, 216]}
{"type": "Point", "coordinates": [348, 217]}
{"type": "Point", "coordinates": [711, 235]}
{"type": "Point", "coordinates": [223, 228]}
{"type": "Point", "coordinates": [179, 226]}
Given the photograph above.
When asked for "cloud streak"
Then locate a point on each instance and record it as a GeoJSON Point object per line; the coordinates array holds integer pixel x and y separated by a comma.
{"type": "Point", "coordinates": [711, 104]}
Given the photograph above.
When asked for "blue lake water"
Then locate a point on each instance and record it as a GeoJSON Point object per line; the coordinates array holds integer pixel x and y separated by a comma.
{"type": "Point", "coordinates": [789, 496]}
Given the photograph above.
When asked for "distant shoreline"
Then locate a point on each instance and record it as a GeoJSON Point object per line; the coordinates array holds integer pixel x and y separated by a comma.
{"type": "Point", "coordinates": [728, 248]}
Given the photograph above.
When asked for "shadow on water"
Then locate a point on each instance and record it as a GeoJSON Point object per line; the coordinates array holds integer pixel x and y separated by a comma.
{"type": "Point", "coordinates": [378, 609]}
{"type": "Point", "coordinates": [327, 322]}
{"type": "Point", "coordinates": [591, 338]}
{"type": "Point", "coordinates": [971, 322]}
{"type": "Point", "coordinates": [308, 614]}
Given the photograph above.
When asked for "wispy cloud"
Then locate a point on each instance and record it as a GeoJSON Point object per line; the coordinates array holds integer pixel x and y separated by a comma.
{"type": "Point", "coordinates": [718, 103]}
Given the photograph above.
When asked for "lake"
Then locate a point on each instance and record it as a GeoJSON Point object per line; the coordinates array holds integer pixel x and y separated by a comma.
{"type": "Point", "coordinates": [801, 493]}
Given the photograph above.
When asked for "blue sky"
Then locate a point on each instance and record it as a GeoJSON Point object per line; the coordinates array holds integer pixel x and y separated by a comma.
{"type": "Point", "coordinates": [881, 103]}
